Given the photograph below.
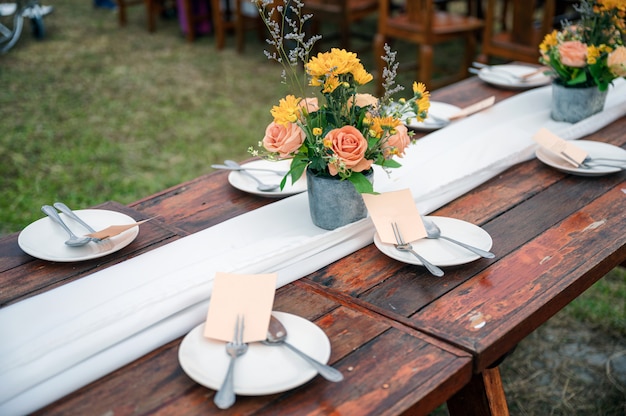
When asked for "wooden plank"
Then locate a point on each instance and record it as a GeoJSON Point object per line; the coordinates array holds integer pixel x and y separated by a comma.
{"type": "Point", "coordinates": [497, 308]}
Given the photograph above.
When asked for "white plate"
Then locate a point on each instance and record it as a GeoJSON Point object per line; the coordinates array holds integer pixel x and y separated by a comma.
{"type": "Point", "coordinates": [45, 239]}
{"type": "Point", "coordinates": [593, 149]}
{"type": "Point", "coordinates": [263, 369]}
{"type": "Point", "coordinates": [439, 109]}
{"type": "Point", "coordinates": [246, 184]}
{"type": "Point", "coordinates": [494, 77]}
{"type": "Point", "coordinates": [441, 252]}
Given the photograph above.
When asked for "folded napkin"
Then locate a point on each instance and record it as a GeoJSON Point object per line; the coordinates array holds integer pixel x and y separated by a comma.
{"type": "Point", "coordinates": [61, 340]}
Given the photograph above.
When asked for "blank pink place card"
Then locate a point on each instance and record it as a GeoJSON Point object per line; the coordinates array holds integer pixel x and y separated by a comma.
{"type": "Point", "coordinates": [398, 207]}
{"type": "Point", "coordinates": [565, 149]}
{"type": "Point", "coordinates": [248, 295]}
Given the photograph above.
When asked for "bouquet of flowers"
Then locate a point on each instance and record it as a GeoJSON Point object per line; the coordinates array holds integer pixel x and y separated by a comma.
{"type": "Point", "coordinates": [590, 52]}
{"type": "Point", "coordinates": [337, 132]}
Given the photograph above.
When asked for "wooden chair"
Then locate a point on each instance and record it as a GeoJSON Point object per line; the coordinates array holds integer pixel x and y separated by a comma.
{"type": "Point", "coordinates": [153, 8]}
{"type": "Point", "coordinates": [422, 24]}
{"type": "Point", "coordinates": [225, 16]}
{"type": "Point", "coordinates": [343, 13]}
{"type": "Point", "coordinates": [520, 41]}
{"type": "Point", "coordinates": [194, 13]}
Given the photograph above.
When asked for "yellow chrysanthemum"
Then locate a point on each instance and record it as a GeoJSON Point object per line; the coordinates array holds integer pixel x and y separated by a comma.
{"type": "Point", "coordinates": [287, 111]}
{"type": "Point", "coordinates": [380, 125]}
{"type": "Point", "coordinates": [331, 84]}
{"type": "Point", "coordinates": [608, 5]}
{"type": "Point", "coordinates": [317, 131]}
{"type": "Point", "coordinates": [361, 76]}
{"type": "Point", "coordinates": [336, 62]}
{"type": "Point", "coordinates": [549, 41]}
{"type": "Point", "coordinates": [593, 53]}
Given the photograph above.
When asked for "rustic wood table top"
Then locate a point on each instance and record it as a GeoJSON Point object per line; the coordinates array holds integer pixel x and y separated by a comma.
{"type": "Point", "coordinates": [406, 341]}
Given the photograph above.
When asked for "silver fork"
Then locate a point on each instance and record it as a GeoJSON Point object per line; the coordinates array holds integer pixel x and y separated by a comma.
{"type": "Point", "coordinates": [590, 163]}
{"type": "Point", "coordinates": [402, 246]}
{"type": "Point", "coordinates": [225, 397]}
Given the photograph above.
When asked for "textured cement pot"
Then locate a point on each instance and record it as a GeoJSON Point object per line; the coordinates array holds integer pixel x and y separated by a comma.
{"type": "Point", "coordinates": [575, 104]}
{"type": "Point", "coordinates": [334, 203]}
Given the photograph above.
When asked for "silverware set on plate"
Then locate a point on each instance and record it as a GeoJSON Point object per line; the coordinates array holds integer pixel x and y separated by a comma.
{"type": "Point", "coordinates": [497, 71]}
{"type": "Point", "coordinates": [433, 232]}
{"type": "Point", "coordinates": [261, 186]}
{"type": "Point", "coordinates": [276, 336]}
{"type": "Point", "coordinates": [74, 240]}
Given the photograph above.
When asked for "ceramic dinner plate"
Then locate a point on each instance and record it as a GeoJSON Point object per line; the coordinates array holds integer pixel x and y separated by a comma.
{"type": "Point", "coordinates": [437, 108]}
{"type": "Point", "coordinates": [45, 239]}
{"type": "Point", "coordinates": [593, 149]}
{"type": "Point", "coordinates": [247, 184]}
{"type": "Point", "coordinates": [496, 77]}
{"type": "Point", "coordinates": [263, 369]}
{"type": "Point", "coordinates": [441, 252]}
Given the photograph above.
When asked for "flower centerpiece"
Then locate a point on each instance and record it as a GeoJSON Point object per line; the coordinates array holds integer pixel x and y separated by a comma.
{"type": "Point", "coordinates": [334, 131]}
{"type": "Point", "coordinates": [588, 54]}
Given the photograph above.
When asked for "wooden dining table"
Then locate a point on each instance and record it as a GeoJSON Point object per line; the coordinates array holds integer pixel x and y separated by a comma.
{"type": "Point", "coordinates": [406, 341]}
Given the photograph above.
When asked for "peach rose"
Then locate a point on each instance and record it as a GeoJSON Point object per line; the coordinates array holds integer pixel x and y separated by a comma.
{"type": "Point", "coordinates": [401, 140]}
{"type": "Point", "coordinates": [363, 100]}
{"type": "Point", "coordinates": [349, 146]}
{"type": "Point", "coordinates": [573, 53]}
{"type": "Point", "coordinates": [283, 139]}
{"type": "Point", "coordinates": [310, 104]}
{"type": "Point", "coordinates": [616, 61]}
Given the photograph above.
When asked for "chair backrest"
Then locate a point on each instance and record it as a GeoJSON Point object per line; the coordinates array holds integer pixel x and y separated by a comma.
{"type": "Point", "coordinates": [421, 12]}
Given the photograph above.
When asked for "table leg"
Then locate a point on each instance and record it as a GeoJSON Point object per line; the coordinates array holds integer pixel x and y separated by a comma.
{"type": "Point", "coordinates": [483, 396]}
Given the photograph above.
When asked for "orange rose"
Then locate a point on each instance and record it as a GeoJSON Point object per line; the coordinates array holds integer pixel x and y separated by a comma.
{"type": "Point", "coordinates": [349, 146]}
{"type": "Point", "coordinates": [573, 53]}
{"type": "Point", "coordinates": [283, 139]}
{"type": "Point", "coordinates": [400, 141]}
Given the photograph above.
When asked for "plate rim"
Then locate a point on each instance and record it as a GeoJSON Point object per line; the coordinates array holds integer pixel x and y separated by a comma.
{"type": "Point", "coordinates": [119, 243]}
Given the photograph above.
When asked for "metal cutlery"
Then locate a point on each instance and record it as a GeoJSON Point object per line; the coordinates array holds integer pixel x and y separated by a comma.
{"type": "Point", "coordinates": [243, 168]}
{"type": "Point", "coordinates": [436, 121]}
{"type": "Point", "coordinates": [225, 397]}
{"type": "Point", "coordinates": [277, 335]}
{"type": "Point", "coordinates": [504, 73]}
{"type": "Point", "coordinates": [433, 231]}
{"type": "Point", "coordinates": [402, 246]}
{"type": "Point", "coordinates": [73, 241]}
{"type": "Point", "coordinates": [67, 211]}
{"type": "Point", "coordinates": [590, 163]}
{"type": "Point", "coordinates": [261, 186]}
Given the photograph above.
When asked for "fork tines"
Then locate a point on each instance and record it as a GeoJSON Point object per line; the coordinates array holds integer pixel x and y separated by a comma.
{"type": "Point", "coordinates": [239, 327]}
{"type": "Point", "coordinates": [396, 233]}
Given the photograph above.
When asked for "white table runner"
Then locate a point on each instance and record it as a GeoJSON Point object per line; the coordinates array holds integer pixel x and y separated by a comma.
{"type": "Point", "coordinates": [58, 341]}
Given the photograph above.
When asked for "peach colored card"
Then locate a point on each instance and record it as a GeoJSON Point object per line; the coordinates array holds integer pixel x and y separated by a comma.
{"type": "Point", "coordinates": [398, 207]}
{"type": "Point", "coordinates": [565, 149]}
{"type": "Point", "coordinates": [248, 295]}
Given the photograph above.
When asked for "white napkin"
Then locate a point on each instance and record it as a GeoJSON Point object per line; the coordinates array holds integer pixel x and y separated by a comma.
{"type": "Point", "coordinates": [61, 340]}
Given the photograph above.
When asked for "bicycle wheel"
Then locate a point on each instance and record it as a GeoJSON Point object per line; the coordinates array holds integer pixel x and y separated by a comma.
{"type": "Point", "coordinates": [11, 23]}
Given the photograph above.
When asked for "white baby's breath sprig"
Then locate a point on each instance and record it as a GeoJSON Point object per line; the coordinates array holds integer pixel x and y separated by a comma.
{"type": "Point", "coordinates": [389, 74]}
{"type": "Point", "coordinates": [287, 37]}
